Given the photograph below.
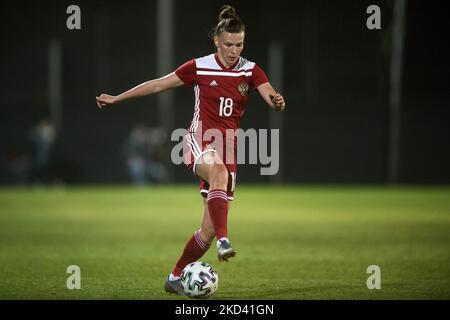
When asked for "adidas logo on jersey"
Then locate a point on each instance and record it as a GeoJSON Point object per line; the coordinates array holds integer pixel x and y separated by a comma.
{"type": "Point", "coordinates": [213, 83]}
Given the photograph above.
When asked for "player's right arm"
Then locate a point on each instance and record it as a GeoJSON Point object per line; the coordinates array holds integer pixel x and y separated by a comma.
{"type": "Point", "coordinates": [144, 89]}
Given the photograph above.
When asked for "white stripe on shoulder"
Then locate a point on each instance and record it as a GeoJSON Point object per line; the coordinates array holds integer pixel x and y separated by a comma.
{"type": "Point", "coordinates": [244, 64]}
{"type": "Point", "coordinates": [207, 62]}
{"type": "Point", "coordinates": [223, 73]}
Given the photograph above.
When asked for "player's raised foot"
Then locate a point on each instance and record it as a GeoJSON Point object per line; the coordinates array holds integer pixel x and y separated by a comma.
{"type": "Point", "coordinates": [174, 287]}
{"type": "Point", "coordinates": [225, 250]}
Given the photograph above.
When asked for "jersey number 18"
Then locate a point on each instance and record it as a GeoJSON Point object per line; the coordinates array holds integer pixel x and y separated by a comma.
{"type": "Point", "coordinates": [226, 107]}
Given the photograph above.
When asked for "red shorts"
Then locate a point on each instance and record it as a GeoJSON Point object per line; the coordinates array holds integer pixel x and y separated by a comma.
{"type": "Point", "coordinates": [193, 149]}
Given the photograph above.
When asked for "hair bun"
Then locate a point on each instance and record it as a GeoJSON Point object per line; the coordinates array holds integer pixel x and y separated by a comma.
{"type": "Point", "coordinates": [227, 12]}
{"type": "Point", "coordinates": [229, 21]}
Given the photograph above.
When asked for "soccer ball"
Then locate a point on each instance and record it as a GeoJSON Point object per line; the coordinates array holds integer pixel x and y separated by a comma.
{"type": "Point", "coordinates": [199, 280]}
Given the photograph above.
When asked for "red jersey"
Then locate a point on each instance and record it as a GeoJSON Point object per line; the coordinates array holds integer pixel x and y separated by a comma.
{"type": "Point", "coordinates": [220, 93]}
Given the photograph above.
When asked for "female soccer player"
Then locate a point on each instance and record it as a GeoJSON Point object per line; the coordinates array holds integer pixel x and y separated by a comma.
{"type": "Point", "coordinates": [221, 85]}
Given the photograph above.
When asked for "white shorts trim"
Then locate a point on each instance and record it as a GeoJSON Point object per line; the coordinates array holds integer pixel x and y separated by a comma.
{"type": "Point", "coordinates": [198, 158]}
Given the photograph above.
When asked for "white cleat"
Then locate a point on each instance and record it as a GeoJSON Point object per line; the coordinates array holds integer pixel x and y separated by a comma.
{"type": "Point", "coordinates": [225, 250]}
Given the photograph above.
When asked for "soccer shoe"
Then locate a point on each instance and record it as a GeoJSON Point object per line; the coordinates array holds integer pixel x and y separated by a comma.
{"type": "Point", "coordinates": [225, 250]}
{"type": "Point", "coordinates": [174, 287]}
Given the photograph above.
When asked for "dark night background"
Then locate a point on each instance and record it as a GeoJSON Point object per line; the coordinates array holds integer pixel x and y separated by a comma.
{"type": "Point", "coordinates": [336, 84]}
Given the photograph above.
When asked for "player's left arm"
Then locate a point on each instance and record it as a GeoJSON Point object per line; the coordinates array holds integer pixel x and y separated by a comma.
{"type": "Point", "coordinates": [273, 99]}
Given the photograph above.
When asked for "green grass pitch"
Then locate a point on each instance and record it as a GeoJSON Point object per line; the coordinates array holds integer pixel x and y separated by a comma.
{"type": "Point", "coordinates": [294, 242]}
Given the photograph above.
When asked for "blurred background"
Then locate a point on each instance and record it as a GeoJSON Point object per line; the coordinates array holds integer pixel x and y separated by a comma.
{"type": "Point", "coordinates": [364, 150]}
{"type": "Point", "coordinates": [363, 106]}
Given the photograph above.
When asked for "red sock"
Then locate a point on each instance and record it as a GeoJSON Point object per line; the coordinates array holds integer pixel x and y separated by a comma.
{"type": "Point", "coordinates": [195, 248]}
{"type": "Point", "coordinates": [218, 211]}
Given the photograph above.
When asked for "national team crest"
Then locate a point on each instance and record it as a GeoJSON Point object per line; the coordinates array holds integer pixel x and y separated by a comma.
{"type": "Point", "coordinates": [243, 88]}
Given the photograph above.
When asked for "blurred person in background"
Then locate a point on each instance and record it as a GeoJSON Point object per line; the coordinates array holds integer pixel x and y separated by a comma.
{"type": "Point", "coordinates": [43, 136]}
{"type": "Point", "coordinates": [142, 151]}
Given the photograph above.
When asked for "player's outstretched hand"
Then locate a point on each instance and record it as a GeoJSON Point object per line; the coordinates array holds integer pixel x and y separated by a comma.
{"type": "Point", "coordinates": [278, 102]}
{"type": "Point", "coordinates": [105, 99]}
